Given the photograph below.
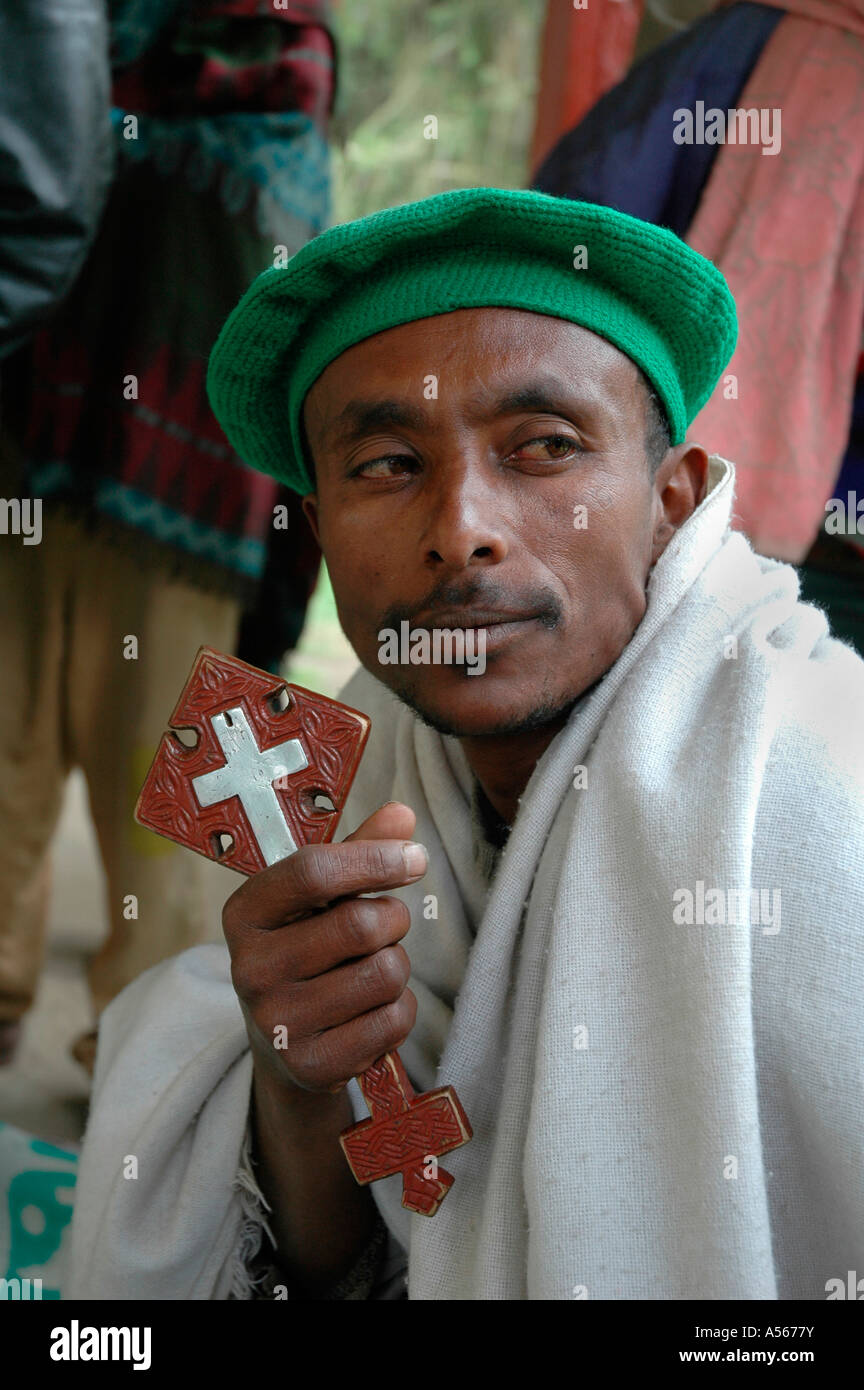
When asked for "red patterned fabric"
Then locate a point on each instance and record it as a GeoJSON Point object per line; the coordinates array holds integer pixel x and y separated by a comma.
{"type": "Point", "coordinates": [582, 54]}
{"type": "Point", "coordinates": [295, 75]}
{"type": "Point", "coordinates": [787, 230]}
{"type": "Point", "coordinates": [844, 14]}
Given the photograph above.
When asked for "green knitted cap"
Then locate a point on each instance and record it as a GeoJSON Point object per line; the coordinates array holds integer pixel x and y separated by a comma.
{"type": "Point", "coordinates": [645, 290]}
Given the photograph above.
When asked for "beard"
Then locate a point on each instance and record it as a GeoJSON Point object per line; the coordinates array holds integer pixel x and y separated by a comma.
{"type": "Point", "coordinates": [547, 711]}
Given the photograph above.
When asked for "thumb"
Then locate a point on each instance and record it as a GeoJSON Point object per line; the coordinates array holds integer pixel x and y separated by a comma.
{"type": "Point", "coordinates": [393, 821]}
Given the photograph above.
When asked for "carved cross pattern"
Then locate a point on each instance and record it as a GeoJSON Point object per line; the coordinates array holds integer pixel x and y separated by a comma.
{"type": "Point", "coordinates": [405, 1134]}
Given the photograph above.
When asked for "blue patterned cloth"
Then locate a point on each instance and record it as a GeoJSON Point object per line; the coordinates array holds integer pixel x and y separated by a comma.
{"type": "Point", "coordinates": [37, 1185]}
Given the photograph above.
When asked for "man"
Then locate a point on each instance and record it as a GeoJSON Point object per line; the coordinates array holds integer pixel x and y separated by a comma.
{"type": "Point", "coordinates": [634, 938]}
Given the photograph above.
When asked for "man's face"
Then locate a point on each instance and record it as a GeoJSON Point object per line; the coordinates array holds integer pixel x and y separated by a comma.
{"type": "Point", "coordinates": [452, 457]}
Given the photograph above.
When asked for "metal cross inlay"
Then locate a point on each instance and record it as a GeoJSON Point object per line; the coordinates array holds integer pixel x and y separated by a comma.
{"type": "Point", "coordinates": [249, 773]}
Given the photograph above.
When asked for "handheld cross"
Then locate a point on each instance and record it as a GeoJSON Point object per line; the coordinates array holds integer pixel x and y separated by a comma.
{"type": "Point", "coordinates": [256, 774]}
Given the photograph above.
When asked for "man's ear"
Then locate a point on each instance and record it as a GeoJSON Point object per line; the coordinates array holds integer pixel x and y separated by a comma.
{"type": "Point", "coordinates": [679, 487]}
{"type": "Point", "coordinates": [310, 511]}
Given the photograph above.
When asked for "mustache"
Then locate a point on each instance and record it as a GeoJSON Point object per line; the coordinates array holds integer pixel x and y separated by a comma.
{"type": "Point", "coordinates": [542, 603]}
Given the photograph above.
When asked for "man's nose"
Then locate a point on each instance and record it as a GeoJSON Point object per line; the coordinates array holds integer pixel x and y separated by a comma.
{"type": "Point", "coordinates": [466, 524]}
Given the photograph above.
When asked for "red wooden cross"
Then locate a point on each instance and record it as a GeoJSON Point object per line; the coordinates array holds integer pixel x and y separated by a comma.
{"type": "Point", "coordinates": [405, 1134]}
{"type": "Point", "coordinates": [250, 769]}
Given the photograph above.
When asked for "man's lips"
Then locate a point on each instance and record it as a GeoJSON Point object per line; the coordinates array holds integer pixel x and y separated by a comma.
{"type": "Point", "coordinates": [467, 618]}
{"type": "Point", "coordinates": [499, 627]}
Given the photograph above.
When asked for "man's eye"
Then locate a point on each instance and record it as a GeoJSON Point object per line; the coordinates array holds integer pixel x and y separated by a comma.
{"type": "Point", "coordinates": [390, 466]}
{"type": "Point", "coordinates": [556, 446]}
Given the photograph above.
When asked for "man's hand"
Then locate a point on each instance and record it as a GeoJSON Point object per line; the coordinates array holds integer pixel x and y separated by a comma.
{"type": "Point", "coordinates": [319, 968]}
{"type": "Point", "coordinates": [311, 956]}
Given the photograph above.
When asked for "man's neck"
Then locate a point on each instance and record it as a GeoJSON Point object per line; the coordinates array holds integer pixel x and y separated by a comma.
{"type": "Point", "coordinates": [503, 765]}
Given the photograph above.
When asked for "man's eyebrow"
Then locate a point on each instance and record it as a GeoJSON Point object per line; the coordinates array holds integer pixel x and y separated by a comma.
{"type": "Point", "coordinates": [548, 394]}
{"type": "Point", "coordinates": [361, 417]}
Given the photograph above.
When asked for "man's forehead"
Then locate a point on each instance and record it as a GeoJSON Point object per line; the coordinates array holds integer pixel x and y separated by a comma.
{"type": "Point", "coordinates": [492, 358]}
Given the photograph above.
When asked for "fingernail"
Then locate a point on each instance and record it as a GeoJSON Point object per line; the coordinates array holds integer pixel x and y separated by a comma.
{"type": "Point", "coordinates": [415, 857]}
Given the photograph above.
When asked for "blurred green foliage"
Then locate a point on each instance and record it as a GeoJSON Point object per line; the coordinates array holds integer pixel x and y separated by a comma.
{"type": "Point", "coordinates": [470, 63]}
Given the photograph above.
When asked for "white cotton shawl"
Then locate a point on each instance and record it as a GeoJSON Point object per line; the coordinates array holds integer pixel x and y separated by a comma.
{"type": "Point", "coordinates": [660, 1110]}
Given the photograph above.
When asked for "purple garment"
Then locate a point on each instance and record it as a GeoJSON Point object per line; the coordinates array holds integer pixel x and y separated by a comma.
{"type": "Point", "coordinates": [622, 154]}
